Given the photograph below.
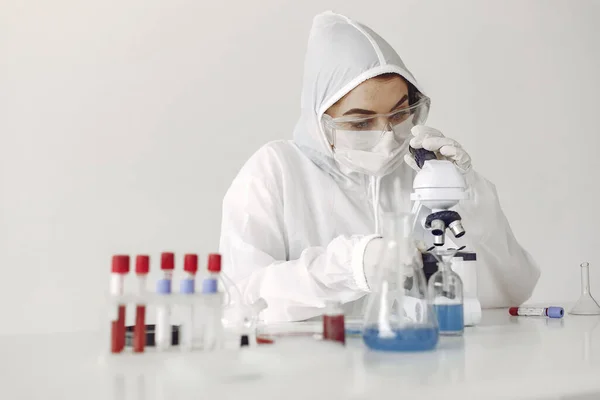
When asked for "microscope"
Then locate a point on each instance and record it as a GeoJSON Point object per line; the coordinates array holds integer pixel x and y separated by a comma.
{"type": "Point", "coordinates": [437, 187]}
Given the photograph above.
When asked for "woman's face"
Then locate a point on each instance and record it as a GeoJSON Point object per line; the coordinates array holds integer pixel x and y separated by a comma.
{"type": "Point", "coordinates": [373, 96]}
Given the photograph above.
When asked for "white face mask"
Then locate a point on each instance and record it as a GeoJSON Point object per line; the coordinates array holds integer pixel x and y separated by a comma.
{"type": "Point", "coordinates": [382, 158]}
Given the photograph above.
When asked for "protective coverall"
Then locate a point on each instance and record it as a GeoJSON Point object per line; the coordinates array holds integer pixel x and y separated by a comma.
{"type": "Point", "coordinates": [295, 225]}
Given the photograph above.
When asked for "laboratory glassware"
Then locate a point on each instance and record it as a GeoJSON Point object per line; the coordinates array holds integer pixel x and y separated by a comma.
{"type": "Point", "coordinates": [142, 267]}
{"type": "Point", "coordinates": [210, 283]}
{"type": "Point", "coordinates": [399, 315]}
{"type": "Point", "coordinates": [586, 305]}
{"type": "Point", "coordinates": [187, 286]}
{"type": "Point", "coordinates": [163, 311]}
{"type": "Point", "coordinates": [120, 268]}
{"type": "Point", "coordinates": [550, 312]}
{"type": "Point", "coordinates": [446, 291]}
{"type": "Point", "coordinates": [333, 322]}
{"type": "Point", "coordinates": [212, 325]}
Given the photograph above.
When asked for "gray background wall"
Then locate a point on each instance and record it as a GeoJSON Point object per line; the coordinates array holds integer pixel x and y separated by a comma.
{"type": "Point", "coordinates": [122, 123]}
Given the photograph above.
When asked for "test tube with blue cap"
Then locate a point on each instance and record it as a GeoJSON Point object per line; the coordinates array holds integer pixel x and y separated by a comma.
{"type": "Point", "coordinates": [550, 312]}
{"type": "Point", "coordinates": [187, 286]}
{"type": "Point", "coordinates": [163, 311]}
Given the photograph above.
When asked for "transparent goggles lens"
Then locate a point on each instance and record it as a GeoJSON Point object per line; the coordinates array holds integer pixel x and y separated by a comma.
{"type": "Point", "coordinates": [365, 132]}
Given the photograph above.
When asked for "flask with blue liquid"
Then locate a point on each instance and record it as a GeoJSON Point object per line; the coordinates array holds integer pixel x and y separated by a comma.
{"type": "Point", "coordinates": [399, 315]}
{"type": "Point", "coordinates": [446, 291]}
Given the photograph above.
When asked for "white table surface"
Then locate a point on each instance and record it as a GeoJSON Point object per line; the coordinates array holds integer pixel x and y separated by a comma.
{"type": "Point", "coordinates": [503, 357]}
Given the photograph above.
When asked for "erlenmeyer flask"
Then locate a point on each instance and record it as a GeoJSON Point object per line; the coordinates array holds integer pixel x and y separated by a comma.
{"type": "Point", "coordinates": [399, 316]}
{"type": "Point", "coordinates": [446, 292]}
{"type": "Point", "coordinates": [586, 305]}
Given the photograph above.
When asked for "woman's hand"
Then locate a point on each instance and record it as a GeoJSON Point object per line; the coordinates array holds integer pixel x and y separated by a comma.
{"type": "Point", "coordinates": [445, 148]}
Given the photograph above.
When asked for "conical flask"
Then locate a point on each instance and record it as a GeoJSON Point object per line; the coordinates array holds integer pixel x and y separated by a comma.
{"type": "Point", "coordinates": [586, 305]}
{"type": "Point", "coordinates": [399, 315]}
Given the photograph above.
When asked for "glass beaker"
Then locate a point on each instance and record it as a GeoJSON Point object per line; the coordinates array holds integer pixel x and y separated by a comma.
{"type": "Point", "coordinates": [399, 315]}
{"type": "Point", "coordinates": [446, 292]}
{"type": "Point", "coordinates": [586, 305]}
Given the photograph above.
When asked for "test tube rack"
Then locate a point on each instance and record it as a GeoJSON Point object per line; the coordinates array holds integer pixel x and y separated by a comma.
{"type": "Point", "coordinates": [207, 316]}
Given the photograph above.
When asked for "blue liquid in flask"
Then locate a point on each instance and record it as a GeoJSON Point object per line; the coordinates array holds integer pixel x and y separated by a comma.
{"type": "Point", "coordinates": [450, 318]}
{"type": "Point", "coordinates": [405, 339]}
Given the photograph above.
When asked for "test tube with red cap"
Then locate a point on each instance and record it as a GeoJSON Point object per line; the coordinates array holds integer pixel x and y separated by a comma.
{"type": "Point", "coordinates": [120, 268]}
{"type": "Point", "coordinates": [142, 267]}
{"type": "Point", "coordinates": [210, 283]}
{"type": "Point", "coordinates": [551, 312]}
{"type": "Point", "coordinates": [212, 331]}
{"type": "Point", "coordinates": [162, 335]}
{"type": "Point", "coordinates": [187, 286]}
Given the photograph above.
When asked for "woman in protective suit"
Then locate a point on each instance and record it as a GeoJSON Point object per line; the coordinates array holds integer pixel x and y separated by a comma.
{"type": "Point", "coordinates": [300, 220]}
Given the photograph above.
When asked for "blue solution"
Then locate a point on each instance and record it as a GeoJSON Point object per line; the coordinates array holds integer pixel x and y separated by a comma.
{"type": "Point", "coordinates": [353, 331]}
{"type": "Point", "coordinates": [406, 339]}
{"type": "Point", "coordinates": [450, 318]}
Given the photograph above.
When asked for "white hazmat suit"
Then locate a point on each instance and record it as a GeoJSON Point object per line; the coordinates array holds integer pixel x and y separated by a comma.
{"type": "Point", "coordinates": [295, 225]}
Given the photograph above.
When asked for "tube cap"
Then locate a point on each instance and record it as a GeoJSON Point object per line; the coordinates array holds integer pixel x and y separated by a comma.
{"type": "Point", "coordinates": [120, 264]}
{"type": "Point", "coordinates": [556, 312]}
{"type": "Point", "coordinates": [214, 262]}
{"type": "Point", "coordinates": [190, 263]}
{"type": "Point", "coordinates": [163, 286]}
{"type": "Point", "coordinates": [167, 261]}
{"type": "Point", "coordinates": [187, 286]}
{"type": "Point", "coordinates": [142, 264]}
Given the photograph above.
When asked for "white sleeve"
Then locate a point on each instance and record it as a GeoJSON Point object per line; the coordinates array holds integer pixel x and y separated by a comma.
{"type": "Point", "coordinates": [507, 274]}
{"type": "Point", "coordinates": [255, 256]}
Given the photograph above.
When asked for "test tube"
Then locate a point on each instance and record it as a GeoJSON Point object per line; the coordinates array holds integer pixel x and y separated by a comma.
{"type": "Point", "coordinates": [551, 312]}
{"type": "Point", "coordinates": [210, 283]}
{"type": "Point", "coordinates": [187, 286]}
{"type": "Point", "coordinates": [333, 322]}
{"type": "Point", "coordinates": [163, 311]}
{"type": "Point", "coordinates": [120, 267]}
{"type": "Point", "coordinates": [142, 267]}
{"type": "Point", "coordinates": [210, 286]}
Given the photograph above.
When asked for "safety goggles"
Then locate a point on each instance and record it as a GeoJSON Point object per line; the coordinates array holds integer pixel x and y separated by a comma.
{"type": "Point", "coordinates": [365, 132]}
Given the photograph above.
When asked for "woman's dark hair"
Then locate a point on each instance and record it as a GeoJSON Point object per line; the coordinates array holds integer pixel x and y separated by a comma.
{"type": "Point", "coordinates": [413, 93]}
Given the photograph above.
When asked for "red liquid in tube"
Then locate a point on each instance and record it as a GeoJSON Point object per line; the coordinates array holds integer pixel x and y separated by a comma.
{"type": "Point", "coordinates": [333, 323]}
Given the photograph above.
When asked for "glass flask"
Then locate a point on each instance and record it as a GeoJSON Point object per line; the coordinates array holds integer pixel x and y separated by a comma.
{"type": "Point", "coordinates": [586, 305]}
{"type": "Point", "coordinates": [446, 292]}
{"type": "Point", "coordinates": [399, 315]}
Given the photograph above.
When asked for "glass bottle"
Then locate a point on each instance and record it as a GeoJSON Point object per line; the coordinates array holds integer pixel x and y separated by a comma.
{"type": "Point", "coordinates": [399, 315]}
{"type": "Point", "coordinates": [446, 292]}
